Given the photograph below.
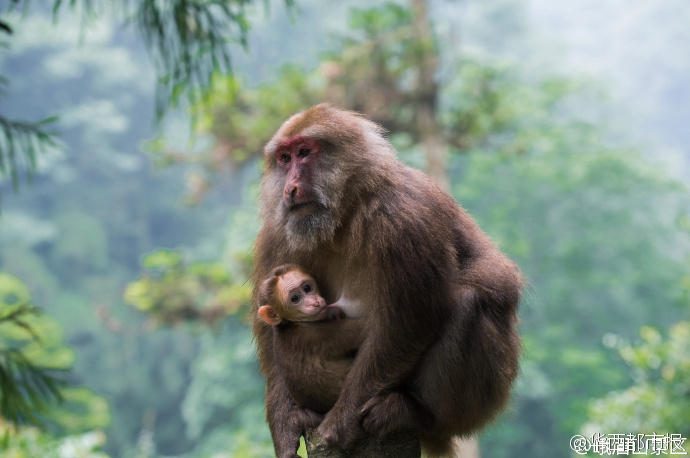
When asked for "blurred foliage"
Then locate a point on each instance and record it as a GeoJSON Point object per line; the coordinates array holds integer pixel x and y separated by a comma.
{"type": "Point", "coordinates": [659, 399]}
{"type": "Point", "coordinates": [82, 244]}
{"type": "Point", "coordinates": [220, 405]}
{"type": "Point", "coordinates": [173, 291]}
{"type": "Point", "coordinates": [31, 356]}
{"type": "Point", "coordinates": [80, 410]}
{"type": "Point", "coordinates": [238, 120]}
{"type": "Point", "coordinates": [593, 262]}
{"type": "Point", "coordinates": [597, 228]}
{"type": "Point", "coordinates": [480, 103]}
{"type": "Point", "coordinates": [31, 442]}
{"type": "Point", "coordinates": [659, 366]}
{"type": "Point", "coordinates": [20, 142]}
{"type": "Point", "coordinates": [33, 369]}
{"type": "Point", "coordinates": [188, 41]}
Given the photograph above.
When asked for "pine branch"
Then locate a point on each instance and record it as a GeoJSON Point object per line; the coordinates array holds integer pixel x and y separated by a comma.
{"type": "Point", "coordinates": [188, 40]}
{"type": "Point", "coordinates": [20, 142]}
{"type": "Point", "coordinates": [26, 389]}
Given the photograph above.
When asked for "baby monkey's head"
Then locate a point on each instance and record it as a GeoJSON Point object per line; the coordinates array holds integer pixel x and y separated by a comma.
{"type": "Point", "coordinates": [290, 294]}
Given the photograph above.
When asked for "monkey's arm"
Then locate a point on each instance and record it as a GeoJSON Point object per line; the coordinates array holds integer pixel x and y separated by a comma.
{"type": "Point", "coordinates": [379, 364]}
{"type": "Point", "coordinates": [404, 320]}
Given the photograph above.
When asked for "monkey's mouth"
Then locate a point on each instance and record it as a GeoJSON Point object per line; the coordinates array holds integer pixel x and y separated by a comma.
{"type": "Point", "coordinates": [311, 204]}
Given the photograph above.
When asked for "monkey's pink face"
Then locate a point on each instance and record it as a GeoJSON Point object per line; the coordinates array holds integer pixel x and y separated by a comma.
{"type": "Point", "coordinates": [300, 293]}
{"type": "Point", "coordinates": [297, 157]}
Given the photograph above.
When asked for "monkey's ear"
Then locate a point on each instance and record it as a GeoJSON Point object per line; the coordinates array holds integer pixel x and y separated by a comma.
{"type": "Point", "coordinates": [269, 315]}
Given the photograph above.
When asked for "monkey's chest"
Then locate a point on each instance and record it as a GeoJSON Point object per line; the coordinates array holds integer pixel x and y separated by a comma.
{"type": "Point", "coordinates": [313, 372]}
{"type": "Point", "coordinates": [316, 383]}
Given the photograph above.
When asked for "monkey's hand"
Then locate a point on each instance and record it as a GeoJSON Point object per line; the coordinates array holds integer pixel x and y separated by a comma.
{"type": "Point", "coordinates": [341, 427]}
{"type": "Point", "coordinates": [298, 421]}
{"type": "Point", "coordinates": [378, 416]}
{"type": "Point", "coordinates": [390, 412]}
{"type": "Point", "coordinates": [333, 312]}
{"type": "Point", "coordinates": [307, 418]}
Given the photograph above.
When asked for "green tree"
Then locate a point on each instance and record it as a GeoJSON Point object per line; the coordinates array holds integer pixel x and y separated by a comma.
{"type": "Point", "coordinates": [30, 442]}
{"type": "Point", "coordinates": [33, 382]}
{"type": "Point", "coordinates": [31, 356]}
{"type": "Point", "coordinates": [173, 291]}
{"type": "Point", "coordinates": [595, 264]}
{"type": "Point", "coordinates": [658, 401]}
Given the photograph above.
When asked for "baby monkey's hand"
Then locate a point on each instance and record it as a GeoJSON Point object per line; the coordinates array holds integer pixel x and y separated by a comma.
{"type": "Point", "coordinates": [333, 312]}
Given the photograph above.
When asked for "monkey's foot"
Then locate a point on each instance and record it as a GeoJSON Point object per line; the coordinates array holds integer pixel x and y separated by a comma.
{"type": "Point", "coordinates": [387, 413]}
{"type": "Point", "coordinates": [307, 418]}
{"type": "Point", "coordinates": [339, 429]}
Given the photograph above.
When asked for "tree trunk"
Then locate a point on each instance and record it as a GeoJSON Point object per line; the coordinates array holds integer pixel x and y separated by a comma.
{"type": "Point", "coordinates": [399, 445]}
{"type": "Point", "coordinates": [430, 133]}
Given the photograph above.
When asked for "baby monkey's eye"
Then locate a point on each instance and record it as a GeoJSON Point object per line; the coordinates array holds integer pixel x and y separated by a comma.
{"type": "Point", "coordinates": [303, 152]}
{"type": "Point", "coordinates": [284, 158]}
{"type": "Point", "coordinates": [295, 298]}
{"type": "Point", "coordinates": [307, 288]}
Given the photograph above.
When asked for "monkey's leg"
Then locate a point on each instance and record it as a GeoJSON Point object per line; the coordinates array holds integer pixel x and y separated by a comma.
{"type": "Point", "coordinates": [465, 378]}
{"type": "Point", "coordinates": [394, 411]}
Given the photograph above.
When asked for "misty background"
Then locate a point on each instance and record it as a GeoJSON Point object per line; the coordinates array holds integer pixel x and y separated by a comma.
{"type": "Point", "coordinates": [134, 234]}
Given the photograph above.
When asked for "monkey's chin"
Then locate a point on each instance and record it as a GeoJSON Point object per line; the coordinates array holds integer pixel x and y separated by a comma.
{"type": "Point", "coordinates": [309, 227]}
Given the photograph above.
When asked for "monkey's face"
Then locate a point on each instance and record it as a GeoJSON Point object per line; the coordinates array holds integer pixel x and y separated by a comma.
{"type": "Point", "coordinates": [297, 158]}
{"type": "Point", "coordinates": [318, 164]}
{"type": "Point", "coordinates": [307, 179]}
{"type": "Point", "coordinates": [299, 297]}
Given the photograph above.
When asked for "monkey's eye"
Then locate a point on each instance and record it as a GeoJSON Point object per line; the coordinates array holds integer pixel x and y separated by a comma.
{"type": "Point", "coordinates": [284, 158]}
{"type": "Point", "coordinates": [303, 152]}
{"type": "Point", "coordinates": [294, 298]}
{"type": "Point", "coordinates": [307, 288]}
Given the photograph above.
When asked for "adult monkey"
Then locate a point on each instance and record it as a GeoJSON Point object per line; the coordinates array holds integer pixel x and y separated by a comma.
{"type": "Point", "coordinates": [441, 345]}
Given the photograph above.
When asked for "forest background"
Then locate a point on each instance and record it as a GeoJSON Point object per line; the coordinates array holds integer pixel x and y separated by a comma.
{"type": "Point", "coordinates": [130, 141]}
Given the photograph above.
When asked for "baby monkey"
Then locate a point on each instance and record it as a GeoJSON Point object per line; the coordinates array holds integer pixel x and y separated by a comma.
{"type": "Point", "coordinates": [291, 295]}
{"type": "Point", "coordinates": [315, 343]}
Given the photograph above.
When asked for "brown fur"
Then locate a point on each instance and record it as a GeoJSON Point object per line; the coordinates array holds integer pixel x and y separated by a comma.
{"type": "Point", "coordinates": [440, 348]}
{"type": "Point", "coordinates": [315, 358]}
{"type": "Point", "coordinates": [312, 352]}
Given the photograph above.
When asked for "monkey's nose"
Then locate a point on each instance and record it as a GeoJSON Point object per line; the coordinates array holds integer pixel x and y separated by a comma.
{"type": "Point", "coordinates": [290, 193]}
{"type": "Point", "coordinates": [293, 194]}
